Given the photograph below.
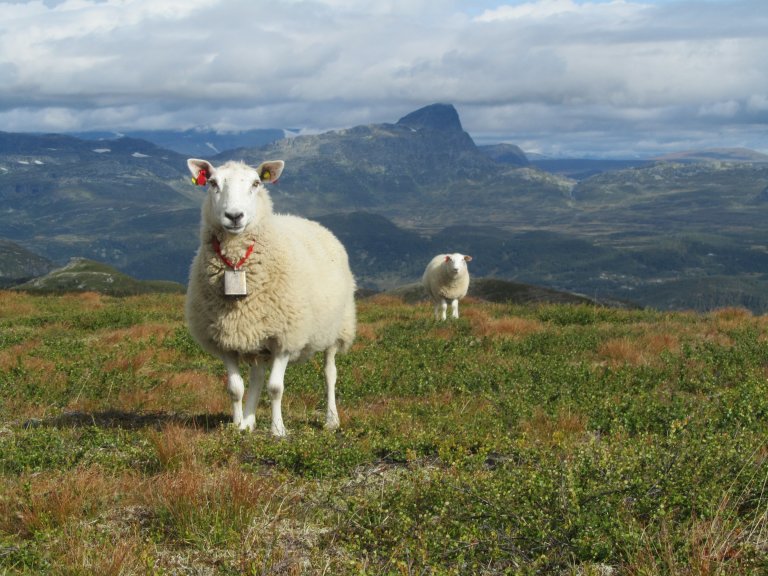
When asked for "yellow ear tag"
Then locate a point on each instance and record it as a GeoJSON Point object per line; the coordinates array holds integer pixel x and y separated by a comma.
{"type": "Point", "coordinates": [266, 175]}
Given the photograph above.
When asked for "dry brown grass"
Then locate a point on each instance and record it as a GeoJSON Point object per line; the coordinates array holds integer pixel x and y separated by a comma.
{"type": "Point", "coordinates": [443, 331]}
{"type": "Point", "coordinates": [485, 325]}
{"type": "Point", "coordinates": [42, 501]}
{"type": "Point", "coordinates": [116, 555]}
{"type": "Point", "coordinates": [385, 301]}
{"type": "Point", "coordinates": [731, 315]}
{"type": "Point", "coordinates": [132, 364]}
{"type": "Point", "coordinates": [139, 333]}
{"type": "Point", "coordinates": [641, 350]}
{"type": "Point", "coordinates": [175, 446]}
{"type": "Point", "coordinates": [234, 494]}
{"type": "Point", "coordinates": [366, 332]}
{"type": "Point", "coordinates": [562, 428]}
{"type": "Point", "coordinates": [14, 355]}
{"type": "Point", "coordinates": [106, 524]}
{"type": "Point", "coordinates": [15, 304]}
{"type": "Point", "coordinates": [622, 351]}
{"type": "Point", "coordinates": [199, 391]}
{"type": "Point", "coordinates": [84, 300]}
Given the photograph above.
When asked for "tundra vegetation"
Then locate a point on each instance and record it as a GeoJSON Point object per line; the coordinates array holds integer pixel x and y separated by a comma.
{"type": "Point", "coordinates": [536, 439]}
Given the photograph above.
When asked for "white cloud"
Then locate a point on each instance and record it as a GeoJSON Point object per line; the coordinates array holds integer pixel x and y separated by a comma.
{"type": "Point", "coordinates": [727, 109]}
{"type": "Point", "coordinates": [546, 9]}
{"type": "Point", "coordinates": [758, 103]}
{"type": "Point", "coordinates": [563, 74]}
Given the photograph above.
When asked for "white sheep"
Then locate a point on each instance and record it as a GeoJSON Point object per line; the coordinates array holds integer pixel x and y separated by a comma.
{"type": "Point", "coordinates": [446, 278]}
{"type": "Point", "coordinates": [265, 288]}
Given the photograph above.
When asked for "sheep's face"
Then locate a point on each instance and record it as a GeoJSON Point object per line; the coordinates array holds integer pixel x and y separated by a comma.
{"type": "Point", "coordinates": [236, 196]}
{"type": "Point", "coordinates": [455, 263]}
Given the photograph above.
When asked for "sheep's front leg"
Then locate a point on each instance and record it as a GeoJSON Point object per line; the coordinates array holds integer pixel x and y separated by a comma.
{"type": "Point", "coordinates": [454, 308]}
{"type": "Point", "coordinates": [255, 384]}
{"type": "Point", "coordinates": [440, 307]}
{"type": "Point", "coordinates": [275, 390]}
{"type": "Point", "coordinates": [331, 414]}
{"type": "Point", "coordinates": [235, 387]}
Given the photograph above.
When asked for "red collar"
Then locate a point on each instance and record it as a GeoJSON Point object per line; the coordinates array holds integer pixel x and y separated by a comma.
{"type": "Point", "coordinates": [217, 247]}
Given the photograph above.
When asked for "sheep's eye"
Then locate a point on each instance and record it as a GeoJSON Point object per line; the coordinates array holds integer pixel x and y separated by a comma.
{"type": "Point", "coordinates": [214, 185]}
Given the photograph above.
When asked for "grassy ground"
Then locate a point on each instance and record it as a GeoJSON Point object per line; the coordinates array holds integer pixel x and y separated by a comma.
{"type": "Point", "coordinates": [555, 439]}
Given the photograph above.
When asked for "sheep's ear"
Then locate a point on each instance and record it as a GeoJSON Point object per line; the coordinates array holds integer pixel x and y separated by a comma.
{"type": "Point", "coordinates": [196, 166]}
{"type": "Point", "coordinates": [468, 258]}
{"type": "Point", "coordinates": [447, 258]}
{"type": "Point", "coordinates": [270, 171]}
{"type": "Point", "coordinates": [201, 171]}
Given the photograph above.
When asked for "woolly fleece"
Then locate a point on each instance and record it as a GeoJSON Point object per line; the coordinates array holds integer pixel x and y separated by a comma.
{"type": "Point", "coordinates": [441, 283]}
{"type": "Point", "coordinates": [300, 289]}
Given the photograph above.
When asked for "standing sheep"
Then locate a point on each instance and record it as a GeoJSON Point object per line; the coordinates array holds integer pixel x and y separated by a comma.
{"type": "Point", "coordinates": [447, 278]}
{"type": "Point", "coordinates": [265, 288]}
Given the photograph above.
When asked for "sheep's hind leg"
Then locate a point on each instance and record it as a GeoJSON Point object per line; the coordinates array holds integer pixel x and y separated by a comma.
{"type": "Point", "coordinates": [255, 385]}
{"type": "Point", "coordinates": [235, 387]}
{"type": "Point", "coordinates": [331, 414]}
{"type": "Point", "coordinates": [275, 390]}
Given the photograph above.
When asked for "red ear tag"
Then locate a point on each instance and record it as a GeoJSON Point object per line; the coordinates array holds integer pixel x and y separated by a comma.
{"type": "Point", "coordinates": [202, 178]}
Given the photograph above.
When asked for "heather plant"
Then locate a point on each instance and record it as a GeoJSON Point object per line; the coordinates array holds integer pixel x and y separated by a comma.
{"type": "Point", "coordinates": [519, 439]}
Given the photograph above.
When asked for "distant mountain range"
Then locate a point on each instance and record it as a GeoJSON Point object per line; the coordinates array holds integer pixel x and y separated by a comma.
{"type": "Point", "coordinates": [685, 232]}
{"type": "Point", "coordinates": [126, 203]}
{"type": "Point", "coordinates": [716, 155]}
{"type": "Point", "coordinates": [199, 142]}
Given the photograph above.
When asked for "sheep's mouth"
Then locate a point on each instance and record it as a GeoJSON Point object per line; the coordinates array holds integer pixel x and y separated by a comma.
{"type": "Point", "coordinates": [234, 229]}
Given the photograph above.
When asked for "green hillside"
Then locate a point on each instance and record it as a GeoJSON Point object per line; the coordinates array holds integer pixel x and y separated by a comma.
{"type": "Point", "coordinates": [82, 275]}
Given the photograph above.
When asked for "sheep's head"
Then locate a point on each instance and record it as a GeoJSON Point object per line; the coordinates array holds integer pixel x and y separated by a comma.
{"type": "Point", "coordinates": [236, 196]}
{"type": "Point", "coordinates": [455, 263]}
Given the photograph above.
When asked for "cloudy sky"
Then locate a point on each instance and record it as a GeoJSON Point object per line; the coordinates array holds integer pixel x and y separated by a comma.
{"type": "Point", "coordinates": [559, 77]}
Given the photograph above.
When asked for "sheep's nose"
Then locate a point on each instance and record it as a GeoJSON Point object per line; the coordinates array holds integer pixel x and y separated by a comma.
{"type": "Point", "coordinates": [234, 217]}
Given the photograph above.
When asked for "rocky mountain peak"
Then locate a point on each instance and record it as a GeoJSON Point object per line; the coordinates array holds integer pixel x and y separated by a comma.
{"type": "Point", "coordinates": [435, 117]}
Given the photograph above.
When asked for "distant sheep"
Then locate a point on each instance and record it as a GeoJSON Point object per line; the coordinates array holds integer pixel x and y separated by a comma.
{"type": "Point", "coordinates": [445, 279]}
{"type": "Point", "coordinates": [265, 288]}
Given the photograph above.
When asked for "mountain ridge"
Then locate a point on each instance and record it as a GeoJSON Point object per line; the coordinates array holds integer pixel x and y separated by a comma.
{"type": "Point", "coordinates": [196, 142]}
{"type": "Point", "coordinates": [399, 192]}
{"type": "Point", "coordinates": [715, 155]}
{"type": "Point", "coordinates": [19, 265]}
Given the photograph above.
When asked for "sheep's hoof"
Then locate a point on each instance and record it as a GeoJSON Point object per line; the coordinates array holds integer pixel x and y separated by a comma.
{"type": "Point", "coordinates": [279, 431]}
{"type": "Point", "coordinates": [248, 423]}
{"type": "Point", "coordinates": [332, 423]}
